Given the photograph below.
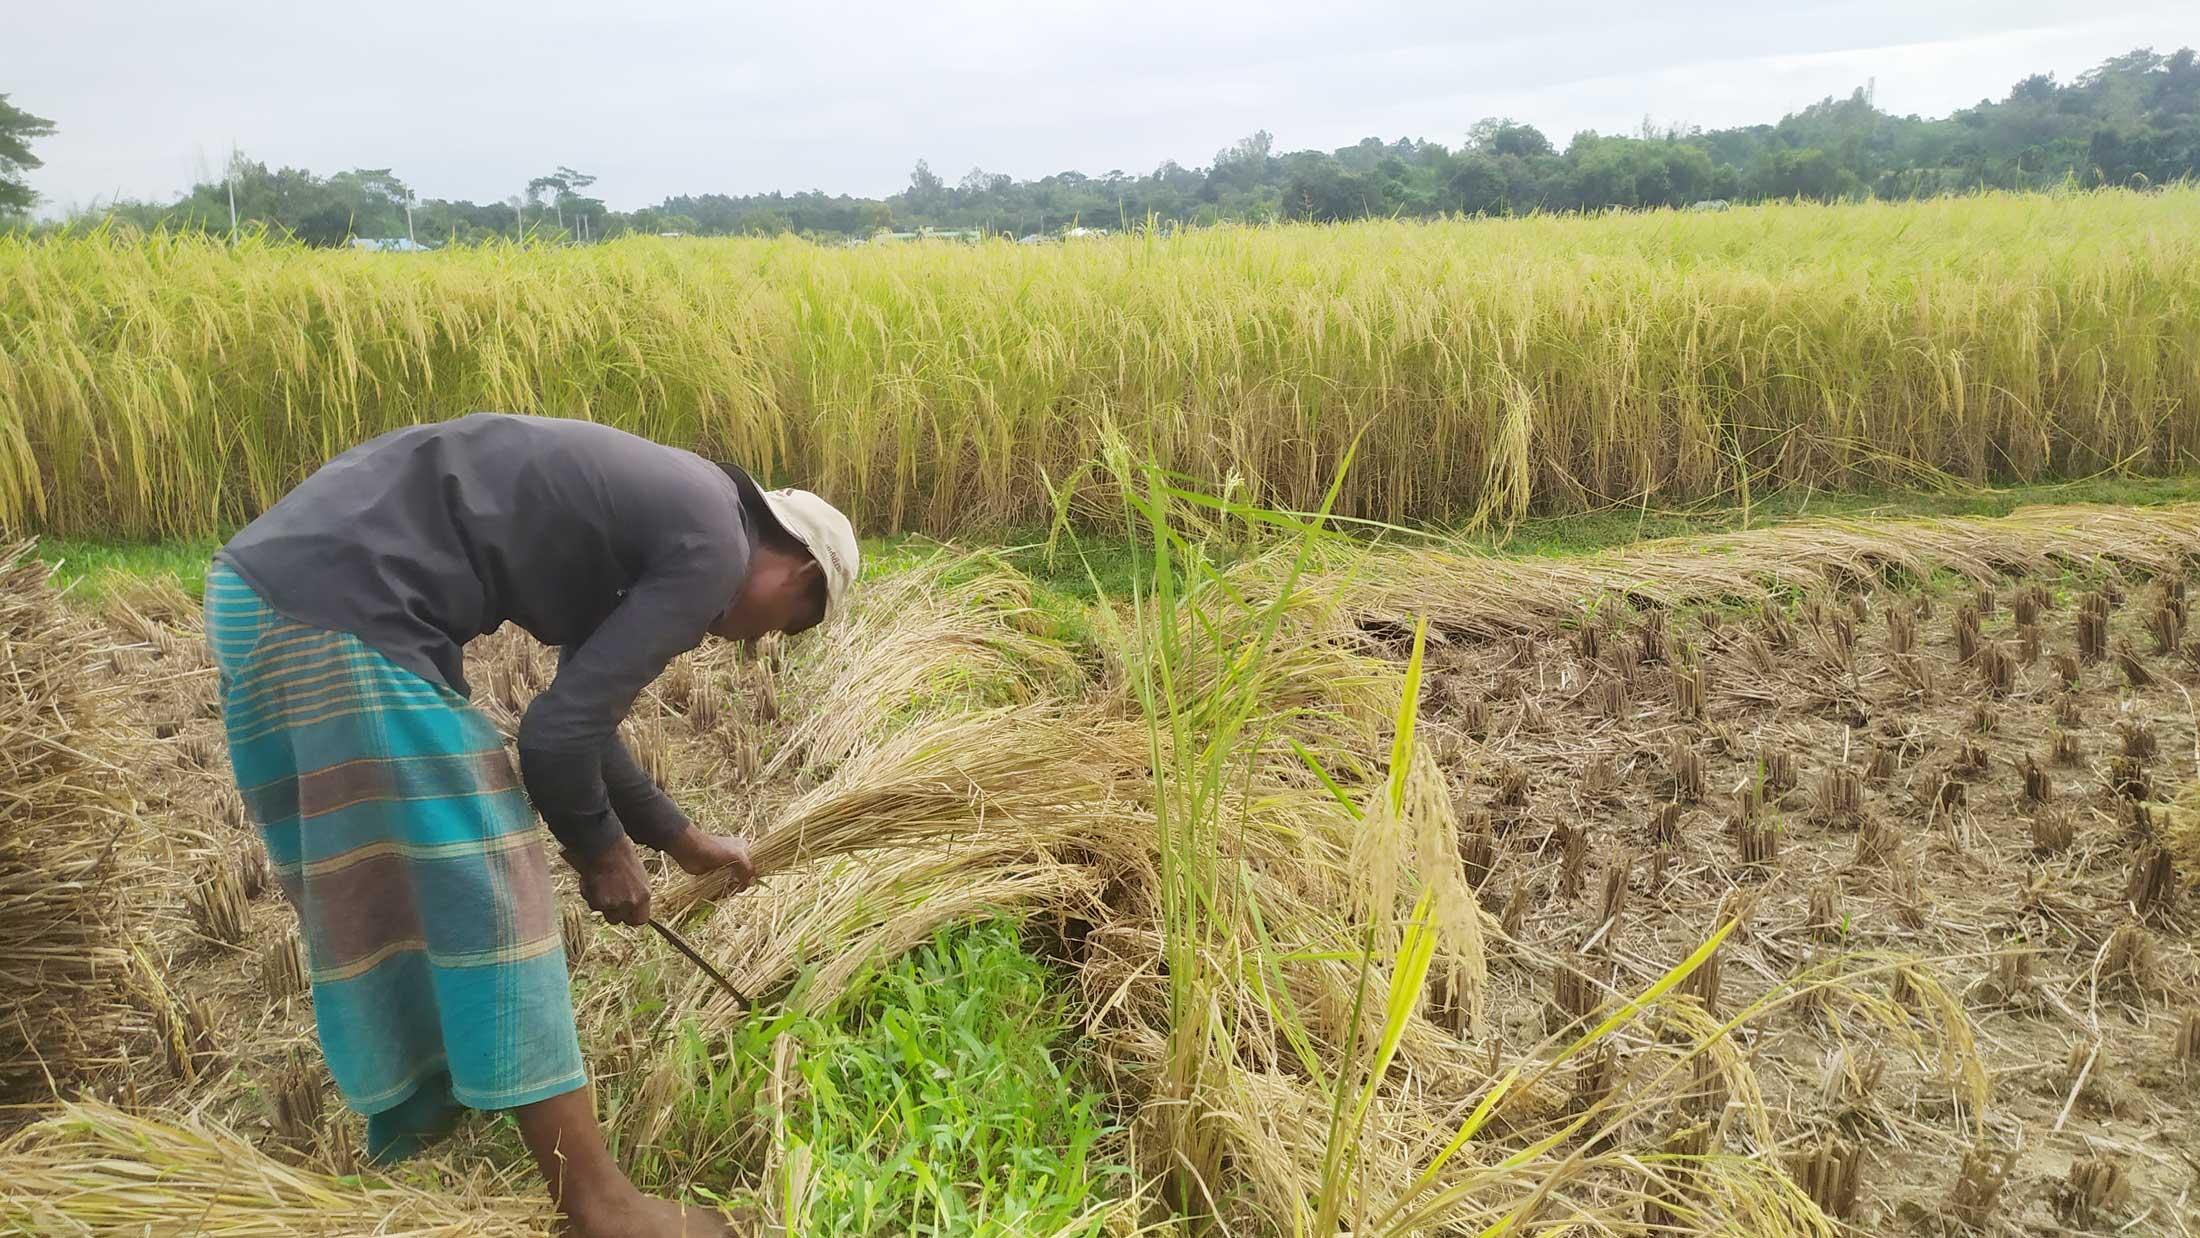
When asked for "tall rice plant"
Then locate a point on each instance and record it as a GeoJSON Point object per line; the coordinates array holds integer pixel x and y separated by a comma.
{"type": "Point", "coordinates": [1203, 683]}
{"type": "Point", "coordinates": [163, 385]}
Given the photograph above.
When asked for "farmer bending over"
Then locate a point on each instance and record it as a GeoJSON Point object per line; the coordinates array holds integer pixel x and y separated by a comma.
{"type": "Point", "coordinates": [386, 800]}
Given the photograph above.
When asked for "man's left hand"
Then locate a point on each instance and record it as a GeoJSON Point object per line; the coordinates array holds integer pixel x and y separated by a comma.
{"type": "Point", "coordinates": [697, 852]}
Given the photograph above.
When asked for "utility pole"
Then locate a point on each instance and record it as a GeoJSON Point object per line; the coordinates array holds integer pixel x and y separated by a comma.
{"type": "Point", "coordinates": [409, 222]}
{"type": "Point", "coordinates": [230, 180]}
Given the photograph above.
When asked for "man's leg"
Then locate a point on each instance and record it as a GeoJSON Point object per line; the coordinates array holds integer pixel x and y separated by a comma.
{"type": "Point", "coordinates": [586, 1184]}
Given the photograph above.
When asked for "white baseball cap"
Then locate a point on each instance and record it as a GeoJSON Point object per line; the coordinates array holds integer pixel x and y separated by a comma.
{"type": "Point", "coordinates": [826, 534]}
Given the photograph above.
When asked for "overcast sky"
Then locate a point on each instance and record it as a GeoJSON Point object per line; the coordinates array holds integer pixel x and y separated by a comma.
{"type": "Point", "coordinates": [469, 98]}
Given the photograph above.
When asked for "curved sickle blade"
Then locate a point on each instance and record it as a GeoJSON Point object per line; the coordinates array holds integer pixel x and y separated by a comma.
{"type": "Point", "coordinates": [680, 944]}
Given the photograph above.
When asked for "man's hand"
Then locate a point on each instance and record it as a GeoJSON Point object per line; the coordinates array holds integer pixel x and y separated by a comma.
{"type": "Point", "coordinates": [697, 853]}
{"type": "Point", "coordinates": [613, 882]}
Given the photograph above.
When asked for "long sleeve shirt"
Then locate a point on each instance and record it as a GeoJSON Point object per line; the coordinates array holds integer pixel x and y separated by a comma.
{"type": "Point", "coordinates": [621, 551]}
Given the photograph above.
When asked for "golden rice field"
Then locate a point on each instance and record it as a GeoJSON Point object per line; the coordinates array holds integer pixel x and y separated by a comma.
{"type": "Point", "coordinates": [168, 385]}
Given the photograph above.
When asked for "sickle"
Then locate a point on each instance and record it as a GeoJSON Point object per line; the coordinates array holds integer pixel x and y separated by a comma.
{"type": "Point", "coordinates": [680, 944]}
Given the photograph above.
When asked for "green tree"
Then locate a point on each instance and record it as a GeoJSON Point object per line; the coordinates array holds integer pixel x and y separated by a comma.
{"type": "Point", "coordinates": [1808, 173]}
{"type": "Point", "coordinates": [564, 194]}
{"type": "Point", "coordinates": [17, 128]}
{"type": "Point", "coordinates": [373, 199]}
{"type": "Point", "coordinates": [1504, 136]}
{"type": "Point", "coordinates": [1475, 185]}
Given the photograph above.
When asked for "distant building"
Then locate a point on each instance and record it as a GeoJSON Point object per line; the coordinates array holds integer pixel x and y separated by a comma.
{"type": "Point", "coordinates": [1710, 204]}
{"type": "Point", "coordinates": [389, 245]}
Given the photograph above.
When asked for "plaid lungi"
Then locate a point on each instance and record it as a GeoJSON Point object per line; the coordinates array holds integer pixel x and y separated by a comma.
{"type": "Point", "coordinates": [399, 832]}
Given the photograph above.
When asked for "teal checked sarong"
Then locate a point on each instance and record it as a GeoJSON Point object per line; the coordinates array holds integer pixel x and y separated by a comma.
{"type": "Point", "coordinates": [399, 832]}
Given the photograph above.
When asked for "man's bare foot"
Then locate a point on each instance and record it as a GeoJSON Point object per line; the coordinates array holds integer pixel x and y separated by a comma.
{"type": "Point", "coordinates": [697, 852]}
{"type": "Point", "coordinates": [585, 1183]}
{"type": "Point", "coordinates": [644, 1216]}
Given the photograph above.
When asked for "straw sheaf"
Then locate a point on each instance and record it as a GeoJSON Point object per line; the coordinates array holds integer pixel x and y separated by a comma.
{"type": "Point", "coordinates": [847, 914]}
{"type": "Point", "coordinates": [947, 632]}
{"type": "Point", "coordinates": [95, 1169]}
{"type": "Point", "coordinates": [1484, 596]}
{"type": "Point", "coordinates": [1022, 772]}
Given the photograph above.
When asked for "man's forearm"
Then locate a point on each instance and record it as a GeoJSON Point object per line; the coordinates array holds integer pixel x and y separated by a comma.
{"type": "Point", "coordinates": [647, 814]}
{"type": "Point", "coordinates": [567, 789]}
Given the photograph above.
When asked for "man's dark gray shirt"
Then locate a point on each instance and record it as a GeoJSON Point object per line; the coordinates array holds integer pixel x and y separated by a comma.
{"type": "Point", "coordinates": [621, 551]}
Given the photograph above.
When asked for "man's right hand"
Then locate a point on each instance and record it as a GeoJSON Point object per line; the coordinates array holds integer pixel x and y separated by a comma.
{"type": "Point", "coordinates": [613, 882]}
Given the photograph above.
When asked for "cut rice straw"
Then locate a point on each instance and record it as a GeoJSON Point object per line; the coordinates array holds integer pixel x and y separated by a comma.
{"type": "Point", "coordinates": [93, 1169]}
{"type": "Point", "coordinates": [1468, 593]}
{"type": "Point", "coordinates": [925, 639]}
{"type": "Point", "coordinates": [63, 1009]}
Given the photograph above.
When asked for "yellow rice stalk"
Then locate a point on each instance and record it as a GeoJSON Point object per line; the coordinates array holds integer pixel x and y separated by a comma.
{"type": "Point", "coordinates": [1421, 841]}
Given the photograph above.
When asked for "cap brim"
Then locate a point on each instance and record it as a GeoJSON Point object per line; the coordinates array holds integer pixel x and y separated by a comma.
{"type": "Point", "coordinates": [792, 510]}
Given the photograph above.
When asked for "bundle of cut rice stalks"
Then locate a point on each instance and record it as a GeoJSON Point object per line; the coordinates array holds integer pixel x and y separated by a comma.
{"type": "Point", "coordinates": [1028, 774]}
{"type": "Point", "coordinates": [947, 634]}
{"type": "Point", "coordinates": [62, 852]}
{"type": "Point", "coordinates": [837, 917]}
{"type": "Point", "coordinates": [93, 1169]}
{"type": "Point", "coordinates": [1464, 592]}
{"type": "Point", "coordinates": [955, 817]}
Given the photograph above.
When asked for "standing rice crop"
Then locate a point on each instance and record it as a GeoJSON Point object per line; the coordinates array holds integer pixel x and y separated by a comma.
{"type": "Point", "coordinates": [169, 384]}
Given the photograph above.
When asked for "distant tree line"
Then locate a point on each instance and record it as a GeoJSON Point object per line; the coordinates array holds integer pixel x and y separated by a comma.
{"type": "Point", "coordinates": [2134, 120]}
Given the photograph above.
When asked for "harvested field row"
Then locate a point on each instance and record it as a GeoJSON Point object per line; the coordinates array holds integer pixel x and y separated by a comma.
{"type": "Point", "coordinates": [1772, 890]}
{"type": "Point", "coordinates": [65, 973]}
{"type": "Point", "coordinates": [1878, 782]}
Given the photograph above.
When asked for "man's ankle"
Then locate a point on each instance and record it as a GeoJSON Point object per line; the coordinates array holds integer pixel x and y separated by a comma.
{"type": "Point", "coordinates": [597, 1195]}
